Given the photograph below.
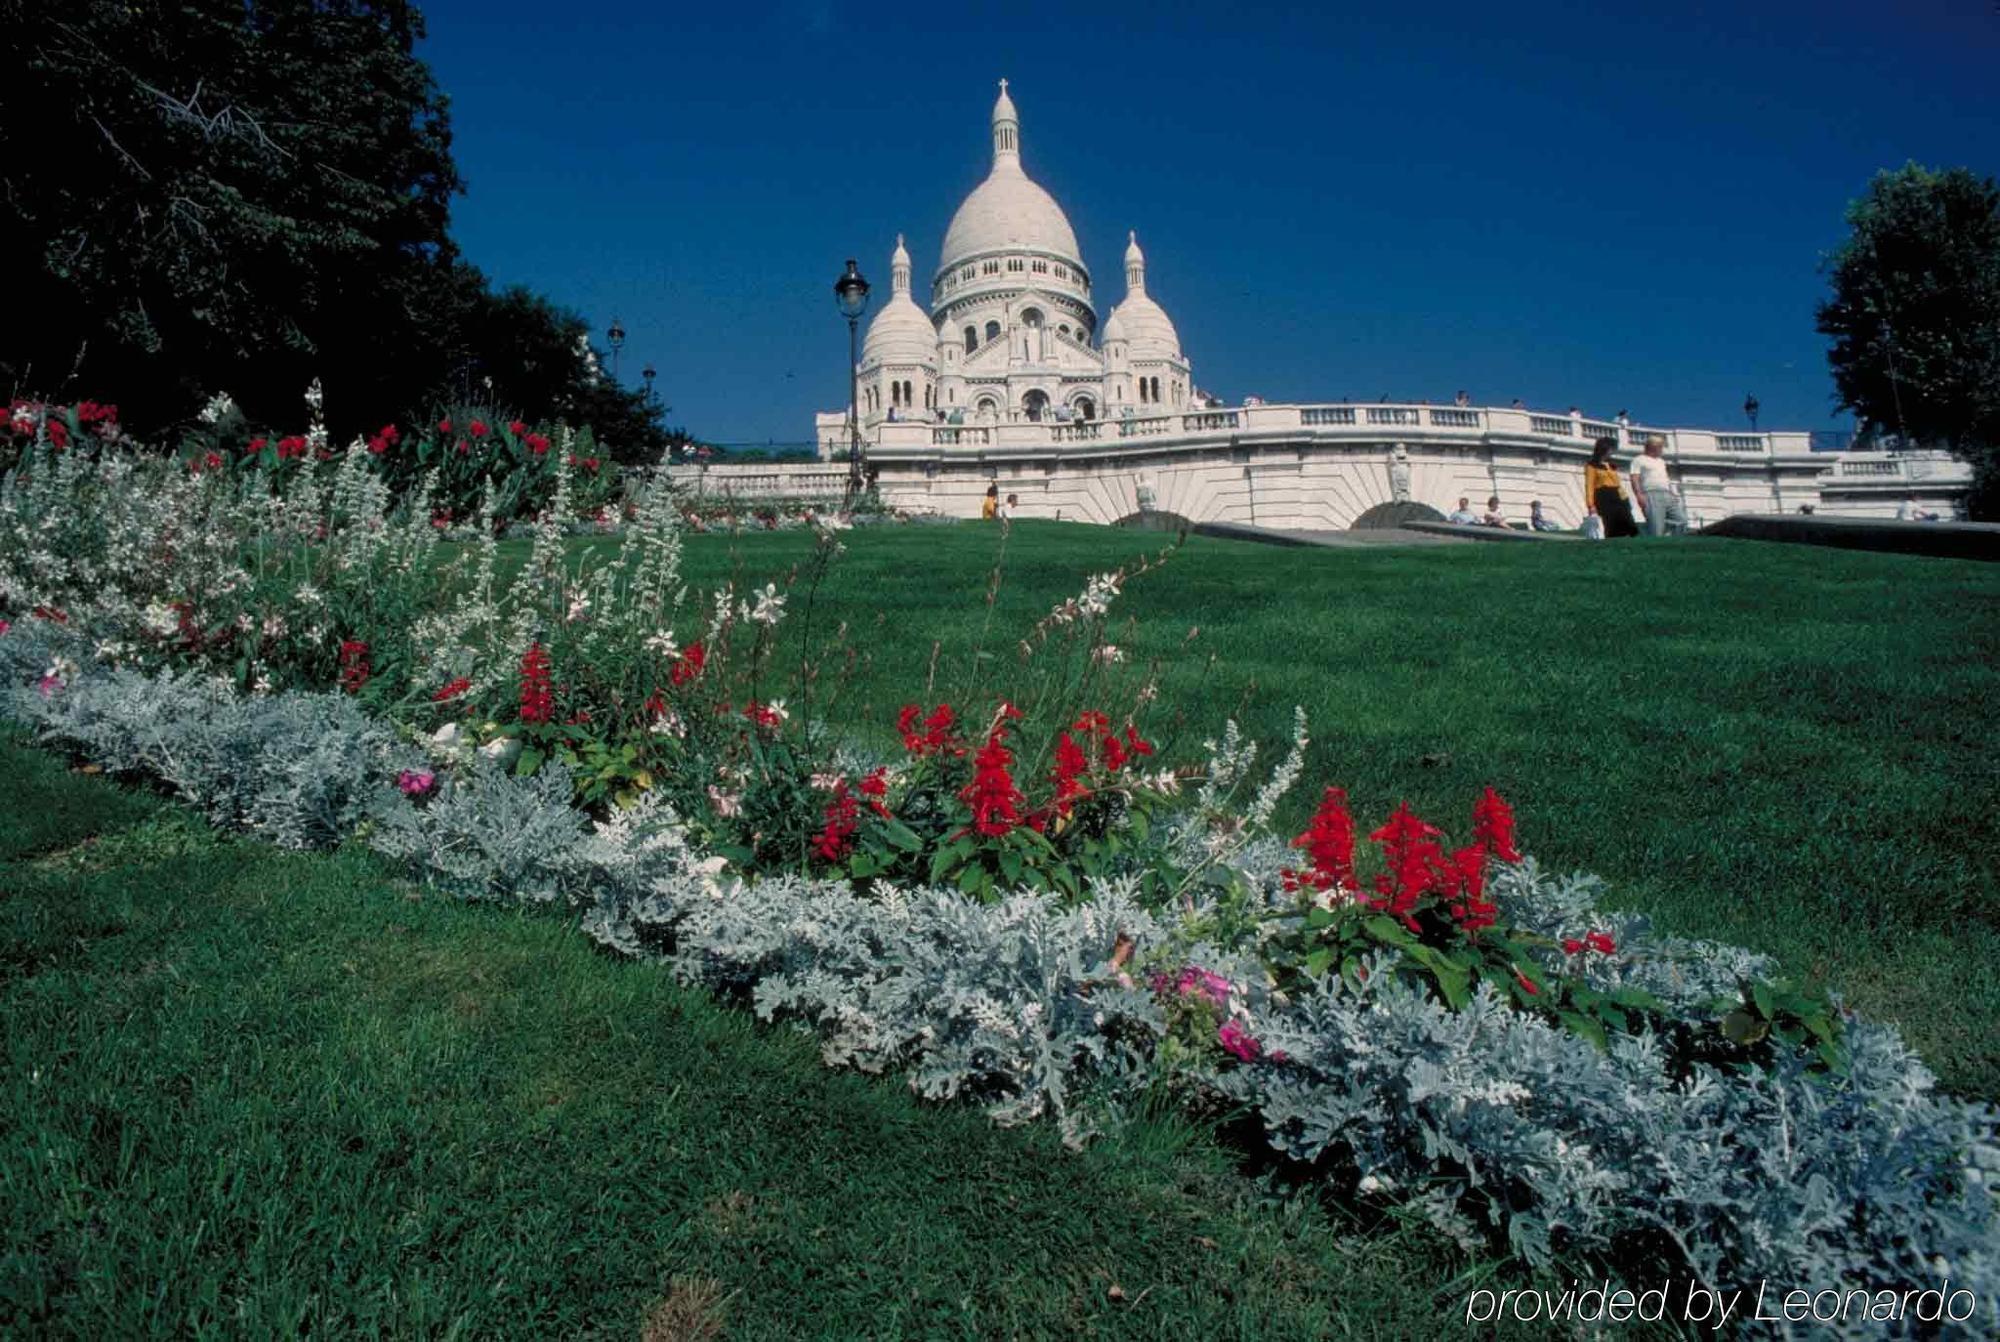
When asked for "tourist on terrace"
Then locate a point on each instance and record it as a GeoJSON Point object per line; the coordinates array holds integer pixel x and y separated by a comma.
{"type": "Point", "coordinates": [1538, 520]}
{"type": "Point", "coordinates": [1010, 508]}
{"type": "Point", "coordinates": [1908, 511]}
{"type": "Point", "coordinates": [1461, 399]}
{"type": "Point", "coordinates": [1604, 494]}
{"type": "Point", "coordinates": [989, 507]}
{"type": "Point", "coordinates": [1493, 517]}
{"type": "Point", "coordinates": [1464, 517]}
{"type": "Point", "coordinates": [1654, 489]}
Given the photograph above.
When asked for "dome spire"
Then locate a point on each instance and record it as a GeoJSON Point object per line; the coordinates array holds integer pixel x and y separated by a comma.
{"type": "Point", "coordinates": [899, 268]}
{"type": "Point", "coordinates": [1006, 131]}
{"type": "Point", "coordinates": [1135, 264]}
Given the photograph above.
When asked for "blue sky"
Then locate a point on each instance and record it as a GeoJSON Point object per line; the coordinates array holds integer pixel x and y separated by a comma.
{"type": "Point", "coordinates": [1608, 205]}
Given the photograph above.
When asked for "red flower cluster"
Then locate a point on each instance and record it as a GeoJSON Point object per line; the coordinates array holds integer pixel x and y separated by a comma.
{"type": "Point", "coordinates": [452, 689]}
{"type": "Point", "coordinates": [1493, 826]}
{"type": "Point", "coordinates": [689, 664]}
{"type": "Point", "coordinates": [90, 412]}
{"type": "Point", "coordinates": [537, 444]}
{"type": "Point", "coordinates": [842, 817]}
{"type": "Point", "coordinates": [444, 425]}
{"type": "Point", "coordinates": [1411, 850]}
{"type": "Point", "coordinates": [1462, 883]}
{"type": "Point", "coordinates": [477, 428]}
{"type": "Point", "coordinates": [1600, 942]}
{"type": "Point", "coordinates": [995, 800]}
{"type": "Point", "coordinates": [875, 787]}
{"type": "Point", "coordinates": [936, 736]}
{"type": "Point", "coordinates": [517, 427]}
{"type": "Point", "coordinates": [353, 665]}
{"type": "Point", "coordinates": [1071, 764]}
{"type": "Point", "coordinates": [1329, 841]}
{"type": "Point", "coordinates": [538, 700]}
{"type": "Point", "coordinates": [385, 438]}
{"type": "Point", "coordinates": [289, 448]}
{"type": "Point", "coordinates": [207, 461]}
{"type": "Point", "coordinates": [762, 715]}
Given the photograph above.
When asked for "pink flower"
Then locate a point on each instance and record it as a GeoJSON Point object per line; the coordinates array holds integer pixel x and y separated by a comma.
{"type": "Point", "coordinates": [417, 782]}
{"type": "Point", "coordinates": [4, 626]}
{"type": "Point", "coordinates": [49, 684]}
{"type": "Point", "coordinates": [1237, 1040]}
{"type": "Point", "coordinates": [1203, 983]}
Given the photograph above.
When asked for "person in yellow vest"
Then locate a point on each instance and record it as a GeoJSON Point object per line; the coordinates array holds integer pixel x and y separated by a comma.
{"type": "Point", "coordinates": [1604, 493]}
{"type": "Point", "coordinates": [990, 507]}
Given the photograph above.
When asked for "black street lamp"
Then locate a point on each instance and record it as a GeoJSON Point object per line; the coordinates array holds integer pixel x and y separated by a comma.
{"type": "Point", "coordinates": [616, 335]}
{"type": "Point", "coordinates": [1750, 408]}
{"type": "Point", "coordinates": [649, 373]}
{"type": "Point", "coordinates": [851, 292]}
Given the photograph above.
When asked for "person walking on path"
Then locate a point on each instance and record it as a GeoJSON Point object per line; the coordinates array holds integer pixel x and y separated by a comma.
{"type": "Point", "coordinates": [989, 507]}
{"type": "Point", "coordinates": [1654, 489]}
{"type": "Point", "coordinates": [1604, 493]}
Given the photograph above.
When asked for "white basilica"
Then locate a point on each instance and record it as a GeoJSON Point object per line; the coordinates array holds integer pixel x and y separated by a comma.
{"type": "Point", "coordinates": [1012, 334]}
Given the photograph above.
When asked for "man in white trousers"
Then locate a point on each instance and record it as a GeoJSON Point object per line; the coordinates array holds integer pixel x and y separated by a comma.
{"type": "Point", "coordinates": [1655, 490]}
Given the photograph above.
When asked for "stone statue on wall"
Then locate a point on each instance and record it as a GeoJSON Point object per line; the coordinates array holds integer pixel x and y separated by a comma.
{"type": "Point", "coordinates": [1144, 493]}
{"type": "Point", "coordinates": [1399, 474]}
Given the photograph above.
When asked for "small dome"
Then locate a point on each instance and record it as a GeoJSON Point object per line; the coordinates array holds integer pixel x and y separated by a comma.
{"type": "Point", "coordinates": [900, 333]}
{"type": "Point", "coordinates": [1145, 324]}
{"type": "Point", "coordinates": [1113, 328]}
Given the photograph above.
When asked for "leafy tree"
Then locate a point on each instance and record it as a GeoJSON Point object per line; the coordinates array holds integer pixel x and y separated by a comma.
{"type": "Point", "coordinates": [242, 195]}
{"type": "Point", "coordinates": [1915, 315]}
{"type": "Point", "coordinates": [221, 192]}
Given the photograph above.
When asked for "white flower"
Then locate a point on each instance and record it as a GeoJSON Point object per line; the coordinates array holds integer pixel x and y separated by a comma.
{"type": "Point", "coordinates": [261, 685]}
{"type": "Point", "coordinates": [579, 606]}
{"type": "Point", "coordinates": [1165, 782]}
{"type": "Point", "coordinates": [308, 595]}
{"type": "Point", "coordinates": [160, 619]}
{"type": "Point", "coordinates": [274, 626]}
{"type": "Point", "coordinates": [219, 405]}
{"type": "Point", "coordinates": [727, 804]}
{"type": "Point", "coordinates": [713, 882]}
{"type": "Point", "coordinates": [824, 782]}
{"type": "Point", "coordinates": [770, 607]}
{"type": "Point", "coordinates": [669, 723]}
{"type": "Point", "coordinates": [663, 644]}
{"type": "Point", "coordinates": [776, 709]}
{"type": "Point", "coordinates": [1109, 653]}
{"type": "Point", "coordinates": [315, 398]}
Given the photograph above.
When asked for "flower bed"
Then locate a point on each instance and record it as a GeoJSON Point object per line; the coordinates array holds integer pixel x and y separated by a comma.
{"type": "Point", "coordinates": [1022, 907]}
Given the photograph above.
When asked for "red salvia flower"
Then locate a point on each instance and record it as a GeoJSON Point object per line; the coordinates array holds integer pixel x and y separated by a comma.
{"type": "Point", "coordinates": [689, 664]}
{"type": "Point", "coordinates": [1531, 989]}
{"type": "Point", "coordinates": [875, 787]}
{"type": "Point", "coordinates": [995, 800]}
{"type": "Point", "coordinates": [353, 664]}
{"type": "Point", "coordinates": [537, 697]}
{"type": "Point", "coordinates": [1464, 889]}
{"type": "Point", "coordinates": [1136, 744]}
{"type": "Point", "coordinates": [841, 816]}
{"type": "Point", "coordinates": [58, 433]}
{"type": "Point", "coordinates": [537, 443]}
{"type": "Point", "coordinates": [477, 428]}
{"type": "Point", "coordinates": [517, 427]}
{"type": "Point", "coordinates": [1328, 841]}
{"type": "Point", "coordinates": [1410, 847]}
{"type": "Point", "coordinates": [452, 689]}
{"type": "Point", "coordinates": [1602, 943]}
{"type": "Point", "coordinates": [936, 734]}
{"type": "Point", "coordinates": [1493, 826]}
{"type": "Point", "coordinates": [444, 425]}
{"type": "Point", "coordinates": [255, 446]}
{"type": "Point", "coordinates": [1071, 765]}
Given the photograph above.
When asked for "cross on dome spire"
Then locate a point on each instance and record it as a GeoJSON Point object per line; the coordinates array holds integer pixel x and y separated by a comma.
{"type": "Point", "coordinates": [1006, 130]}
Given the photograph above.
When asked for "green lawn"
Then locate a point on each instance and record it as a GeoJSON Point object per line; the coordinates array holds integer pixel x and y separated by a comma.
{"type": "Point", "coordinates": [258, 1094]}
{"type": "Point", "coordinates": [1782, 746]}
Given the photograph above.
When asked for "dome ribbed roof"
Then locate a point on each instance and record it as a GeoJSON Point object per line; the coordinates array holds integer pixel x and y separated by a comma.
{"type": "Point", "coordinates": [1008, 211]}
{"type": "Point", "coordinates": [1145, 324]}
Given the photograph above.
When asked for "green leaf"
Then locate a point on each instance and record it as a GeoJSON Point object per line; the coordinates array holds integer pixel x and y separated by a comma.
{"type": "Point", "coordinates": [1760, 993]}
{"type": "Point", "coordinates": [1388, 930]}
{"type": "Point", "coordinates": [1317, 917]}
{"type": "Point", "coordinates": [971, 879]}
{"type": "Point", "coordinates": [1010, 865]}
{"type": "Point", "coordinates": [530, 760]}
{"type": "Point", "coordinates": [863, 864]}
{"type": "Point", "coordinates": [1740, 1027]}
{"type": "Point", "coordinates": [900, 834]}
{"type": "Point", "coordinates": [1583, 1027]}
{"type": "Point", "coordinates": [1319, 962]}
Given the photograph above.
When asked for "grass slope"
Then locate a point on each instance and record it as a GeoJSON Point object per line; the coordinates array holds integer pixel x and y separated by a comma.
{"type": "Point", "coordinates": [1785, 747]}
{"type": "Point", "coordinates": [251, 1093]}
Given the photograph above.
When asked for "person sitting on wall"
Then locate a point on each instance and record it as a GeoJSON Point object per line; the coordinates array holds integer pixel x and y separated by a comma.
{"type": "Point", "coordinates": [1493, 517]}
{"type": "Point", "coordinates": [1538, 520]}
{"type": "Point", "coordinates": [1464, 516]}
{"type": "Point", "coordinates": [1908, 511]}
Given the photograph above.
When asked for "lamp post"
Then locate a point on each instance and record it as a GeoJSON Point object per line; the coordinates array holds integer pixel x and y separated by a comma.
{"type": "Point", "coordinates": [616, 335]}
{"type": "Point", "coordinates": [850, 291]}
{"type": "Point", "coordinates": [1750, 408]}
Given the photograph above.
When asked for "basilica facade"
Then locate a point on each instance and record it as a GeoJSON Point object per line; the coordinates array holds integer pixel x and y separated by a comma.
{"type": "Point", "coordinates": [1011, 334]}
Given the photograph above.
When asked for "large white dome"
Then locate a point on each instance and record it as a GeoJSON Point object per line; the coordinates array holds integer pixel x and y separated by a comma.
{"type": "Point", "coordinates": [1008, 211]}
{"type": "Point", "coordinates": [900, 333]}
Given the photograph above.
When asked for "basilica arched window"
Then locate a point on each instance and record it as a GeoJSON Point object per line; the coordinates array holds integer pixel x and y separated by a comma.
{"type": "Point", "coordinates": [1014, 264]}
{"type": "Point", "coordinates": [1086, 408]}
{"type": "Point", "coordinates": [971, 339]}
{"type": "Point", "coordinates": [1032, 319]}
{"type": "Point", "coordinates": [993, 330]}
